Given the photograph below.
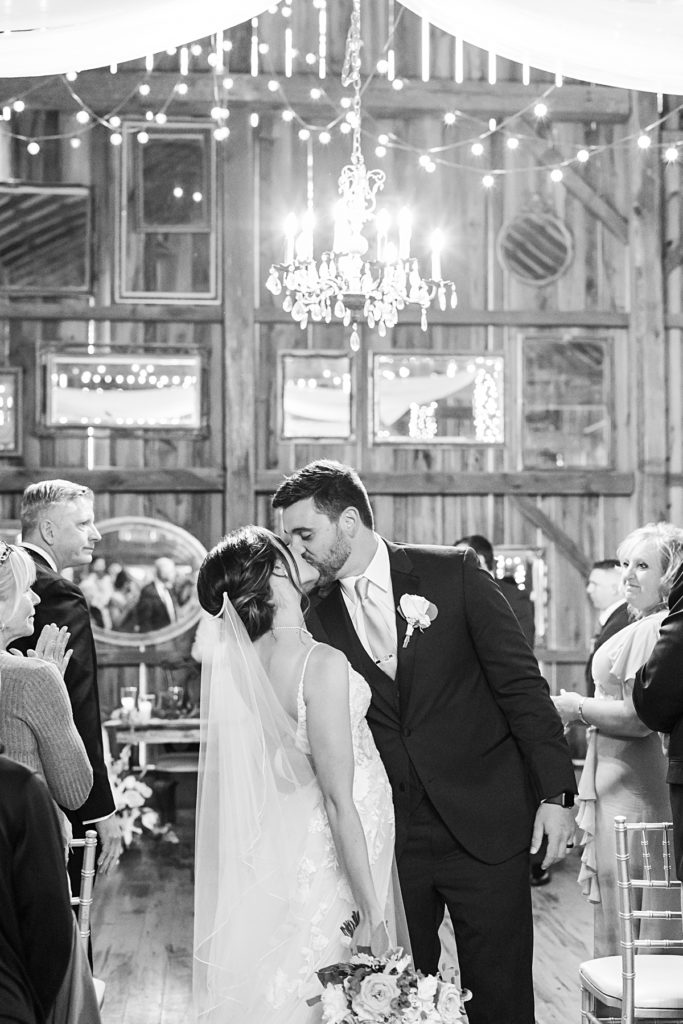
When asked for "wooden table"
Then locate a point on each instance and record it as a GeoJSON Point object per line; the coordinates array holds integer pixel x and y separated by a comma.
{"type": "Point", "coordinates": [155, 732]}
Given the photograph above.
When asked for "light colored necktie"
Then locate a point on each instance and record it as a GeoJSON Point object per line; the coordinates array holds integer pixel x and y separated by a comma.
{"type": "Point", "coordinates": [380, 639]}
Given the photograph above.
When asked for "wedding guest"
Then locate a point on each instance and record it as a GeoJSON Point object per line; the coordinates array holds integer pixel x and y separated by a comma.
{"type": "Point", "coordinates": [97, 587]}
{"type": "Point", "coordinates": [36, 722]}
{"type": "Point", "coordinates": [658, 700]}
{"type": "Point", "coordinates": [607, 597]}
{"type": "Point", "coordinates": [44, 975]}
{"type": "Point", "coordinates": [519, 600]}
{"type": "Point", "coordinates": [123, 602]}
{"type": "Point", "coordinates": [59, 532]}
{"type": "Point", "coordinates": [156, 607]}
{"type": "Point", "coordinates": [625, 769]}
{"type": "Point", "coordinates": [463, 721]}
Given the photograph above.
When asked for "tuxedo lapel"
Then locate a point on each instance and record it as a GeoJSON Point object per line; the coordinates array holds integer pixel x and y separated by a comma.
{"type": "Point", "coordinates": [404, 580]}
{"type": "Point", "coordinates": [336, 621]}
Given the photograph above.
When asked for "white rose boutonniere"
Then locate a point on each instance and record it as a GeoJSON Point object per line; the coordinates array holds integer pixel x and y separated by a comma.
{"type": "Point", "coordinates": [418, 612]}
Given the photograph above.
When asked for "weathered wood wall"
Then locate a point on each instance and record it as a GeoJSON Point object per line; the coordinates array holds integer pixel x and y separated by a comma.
{"type": "Point", "coordinates": [623, 209]}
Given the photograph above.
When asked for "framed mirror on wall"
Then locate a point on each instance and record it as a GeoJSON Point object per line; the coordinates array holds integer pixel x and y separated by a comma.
{"type": "Point", "coordinates": [566, 402]}
{"type": "Point", "coordinates": [45, 239]}
{"type": "Point", "coordinates": [316, 396]}
{"type": "Point", "coordinates": [11, 431]}
{"type": "Point", "coordinates": [167, 239]}
{"type": "Point", "coordinates": [119, 391]}
{"type": "Point", "coordinates": [141, 584]}
{"type": "Point", "coordinates": [437, 398]}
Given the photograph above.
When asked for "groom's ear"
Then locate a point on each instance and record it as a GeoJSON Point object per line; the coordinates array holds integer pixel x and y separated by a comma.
{"type": "Point", "coordinates": [350, 521]}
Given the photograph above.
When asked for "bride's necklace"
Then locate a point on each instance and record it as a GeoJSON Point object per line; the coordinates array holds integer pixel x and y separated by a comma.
{"type": "Point", "coordinates": [299, 629]}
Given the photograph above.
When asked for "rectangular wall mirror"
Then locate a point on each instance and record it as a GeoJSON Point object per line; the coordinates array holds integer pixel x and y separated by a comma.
{"type": "Point", "coordinates": [10, 410]}
{"type": "Point", "coordinates": [316, 397]}
{"type": "Point", "coordinates": [45, 239]}
{"type": "Point", "coordinates": [437, 398]}
{"type": "Point", "coordinates": [566, 402]}
{"type": "Point", "coordinates": [167, 243]}
{"type": "Point", "coordinates": [122, 392]}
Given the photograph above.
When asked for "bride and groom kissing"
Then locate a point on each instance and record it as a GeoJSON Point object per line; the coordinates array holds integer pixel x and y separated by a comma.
{"type": "Point", "coordinates": [396, 720]}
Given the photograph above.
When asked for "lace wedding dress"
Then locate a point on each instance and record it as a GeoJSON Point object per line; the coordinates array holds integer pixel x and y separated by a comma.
{"type": "Point", "coordinates": [281, 921]}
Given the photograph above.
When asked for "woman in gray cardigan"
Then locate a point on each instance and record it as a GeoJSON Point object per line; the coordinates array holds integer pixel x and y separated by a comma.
{"type": "Point", "coordinates": [36, 721]}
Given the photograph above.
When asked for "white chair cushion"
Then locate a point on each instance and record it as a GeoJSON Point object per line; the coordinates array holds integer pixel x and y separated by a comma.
{"type": "Point", "coordinates": [659, 980]}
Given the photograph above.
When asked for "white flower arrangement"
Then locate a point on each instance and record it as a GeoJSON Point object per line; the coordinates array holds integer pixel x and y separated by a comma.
{"type": "Point", "coordinates": [131, 794]}
{"type": "Point", "coordinates": [388, 990]}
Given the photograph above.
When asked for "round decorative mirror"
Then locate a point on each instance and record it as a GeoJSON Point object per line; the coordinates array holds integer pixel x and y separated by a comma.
{"type": "Point", "coordinates": [536, 246]}
{"type": "Point", "coordinates": [141, 584]}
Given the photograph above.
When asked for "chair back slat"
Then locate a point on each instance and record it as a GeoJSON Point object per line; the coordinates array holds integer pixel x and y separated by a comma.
{"type": "Point", "coordinates": [85, 895]}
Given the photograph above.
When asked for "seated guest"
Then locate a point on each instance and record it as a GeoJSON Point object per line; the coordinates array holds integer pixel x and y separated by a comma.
{"type": "Point", "coordinates": [36, 722]}
{"type": "Point", "coordinates": [44, 975]}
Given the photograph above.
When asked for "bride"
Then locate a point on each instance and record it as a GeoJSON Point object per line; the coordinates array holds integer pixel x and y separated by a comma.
{"type": "Point", "coordinates": [295, 825]}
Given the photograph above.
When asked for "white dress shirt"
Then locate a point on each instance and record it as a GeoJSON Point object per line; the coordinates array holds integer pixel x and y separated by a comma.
{"type": "Point", "coordinates": [380, 591]}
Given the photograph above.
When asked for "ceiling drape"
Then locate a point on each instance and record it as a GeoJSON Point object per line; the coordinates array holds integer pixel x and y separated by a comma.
{"type": "Point", "coordinates": [632, 44]}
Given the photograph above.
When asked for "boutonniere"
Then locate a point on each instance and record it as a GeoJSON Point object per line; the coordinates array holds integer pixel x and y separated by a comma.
{"type": "Point", "coordinates": [418, 612]}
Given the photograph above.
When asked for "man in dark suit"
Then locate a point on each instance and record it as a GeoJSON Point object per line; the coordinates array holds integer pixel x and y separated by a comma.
{"type": "Point", "coordinates": [658, 700]}
{"type": "Point", "coordinates": [606, 595]}
{"type": "Point", "coordinates": [156, 607]}
{"type": "Point", "coordinates": [463, 720]}
{"type": "Point", "coordinates": [58, 530]}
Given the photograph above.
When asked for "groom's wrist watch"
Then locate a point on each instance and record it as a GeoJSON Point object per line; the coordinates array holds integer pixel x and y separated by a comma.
{"type": "Point", "coordinates": [565, 799]}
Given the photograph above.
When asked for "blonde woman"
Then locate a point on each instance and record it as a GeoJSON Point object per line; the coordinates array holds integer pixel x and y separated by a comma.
{"type": "Point", "coordinates": [625, 769]}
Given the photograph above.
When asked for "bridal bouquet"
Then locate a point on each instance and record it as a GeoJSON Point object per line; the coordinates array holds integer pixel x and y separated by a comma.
{"type": "Point", "coordinates": [388, 990]}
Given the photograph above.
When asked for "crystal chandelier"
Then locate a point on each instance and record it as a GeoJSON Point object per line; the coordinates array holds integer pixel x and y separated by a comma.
{"type": "Point", "coordinates": [346, 283]}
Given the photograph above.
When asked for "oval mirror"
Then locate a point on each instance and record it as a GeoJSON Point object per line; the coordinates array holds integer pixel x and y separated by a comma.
{"type": "Point", "coordinates": [536, 246]}
{"type": "Point", "coordinates": [141, 584]}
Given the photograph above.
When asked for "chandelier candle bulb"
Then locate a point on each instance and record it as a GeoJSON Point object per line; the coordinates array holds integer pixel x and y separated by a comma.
{"type": "Point", "coordinates": [405, 227]}
{"type": "Point", "coordinates": [437, 246]}
{"type": "Point", "coordinates": [290, 236]}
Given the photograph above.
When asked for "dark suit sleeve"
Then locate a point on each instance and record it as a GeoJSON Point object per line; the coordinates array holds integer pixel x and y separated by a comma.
{"type": "Point", "coordinates": [513, 675]}
{"type": "Point", "coordinates": [658, 689]}
{"type": "Point", "coordinates": [42, 899]}
{"type": "Point", "coordinates": [63, 603]}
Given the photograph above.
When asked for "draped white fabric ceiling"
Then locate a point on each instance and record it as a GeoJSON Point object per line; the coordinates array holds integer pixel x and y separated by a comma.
{"type": "Point", "coordinates": [633, 44]}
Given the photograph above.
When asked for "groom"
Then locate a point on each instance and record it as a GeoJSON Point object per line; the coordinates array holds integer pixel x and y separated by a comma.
{"type": "Point", "coordinates": [472, 744]}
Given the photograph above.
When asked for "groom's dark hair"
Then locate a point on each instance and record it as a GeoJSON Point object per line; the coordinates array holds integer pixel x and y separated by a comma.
{"type": "Point", "coordinates": [333, 487]}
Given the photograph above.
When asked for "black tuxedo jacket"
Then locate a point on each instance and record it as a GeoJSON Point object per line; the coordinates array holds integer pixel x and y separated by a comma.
{"type": "Point", "coordinates": [63, 603]}
{"type": "Point", "coordinates": [617, 621]}
{"type": "Point", "coordinates": [658, 699]}
{"type": "Point", "coordinates": [468, 713]}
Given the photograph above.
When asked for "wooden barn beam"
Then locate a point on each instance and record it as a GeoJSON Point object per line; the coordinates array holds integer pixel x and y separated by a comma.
{"type": "Point", "coordinates": [531, 483]}
{"type": "Point", "coordinates": [118, 479]}
{"type": "Point", "coordinates": [647, 335]}
{"type": "Point", "coordinates": [102, 92]}
{"type": "Point", "coordinates": [577, 186]}
{"type": "Point", "coordinates": [562, 541]}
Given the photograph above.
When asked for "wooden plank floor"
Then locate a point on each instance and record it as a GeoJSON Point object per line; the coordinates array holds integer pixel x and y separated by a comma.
{"type": "Point", "coordinates": [142, 929]}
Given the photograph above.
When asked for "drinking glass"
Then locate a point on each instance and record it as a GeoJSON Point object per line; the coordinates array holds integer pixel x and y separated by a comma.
{"type": "Point", "coordinates": [128, 698]}
{"type": "Point", "coordinates": [146, 704]}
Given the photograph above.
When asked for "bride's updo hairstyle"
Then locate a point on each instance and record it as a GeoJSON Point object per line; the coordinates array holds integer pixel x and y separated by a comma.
{"type": "Point", "coordinates": [241, 565]}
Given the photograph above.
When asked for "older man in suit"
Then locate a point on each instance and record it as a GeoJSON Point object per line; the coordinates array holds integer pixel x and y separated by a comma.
{"type": "Point", "coordinates": [464, 723]}
{"type": "Point", "coordinates": [58, 530]}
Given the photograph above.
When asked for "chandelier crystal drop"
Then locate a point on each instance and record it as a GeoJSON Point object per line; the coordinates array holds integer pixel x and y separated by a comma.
{"type": "Point", "coordinates": [348, 282]}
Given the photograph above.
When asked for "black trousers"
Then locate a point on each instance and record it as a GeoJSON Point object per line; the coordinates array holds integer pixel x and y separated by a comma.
{"type": "Point", "coordinates": [490, 906]}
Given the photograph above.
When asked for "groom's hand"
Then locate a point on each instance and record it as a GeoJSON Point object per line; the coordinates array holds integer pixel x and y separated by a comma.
{"type": "Point", "coordinates": [558, 824]}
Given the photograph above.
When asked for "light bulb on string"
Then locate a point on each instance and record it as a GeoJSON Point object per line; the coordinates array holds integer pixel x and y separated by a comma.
{"type": "Point", "coordinates": [671, 154]}
{"type": "Point", "coordinates": [644, 141]}
{"type": "Point", "coordinates": [556, 175]}
{"type": "Point", "coordinates": [541, 110]}
{"type": "Point", "coordinates": [583, 156]}
{"type": "Point", "coordinates": [33, 148]}
{"type": "Point", "coordinates": [477, 149]}
{"type": "Point", "coordinates": [488, 181]}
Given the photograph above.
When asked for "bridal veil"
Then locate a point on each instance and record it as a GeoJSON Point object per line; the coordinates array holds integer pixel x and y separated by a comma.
{"type": "Point", "coordinates": [256, 795]}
